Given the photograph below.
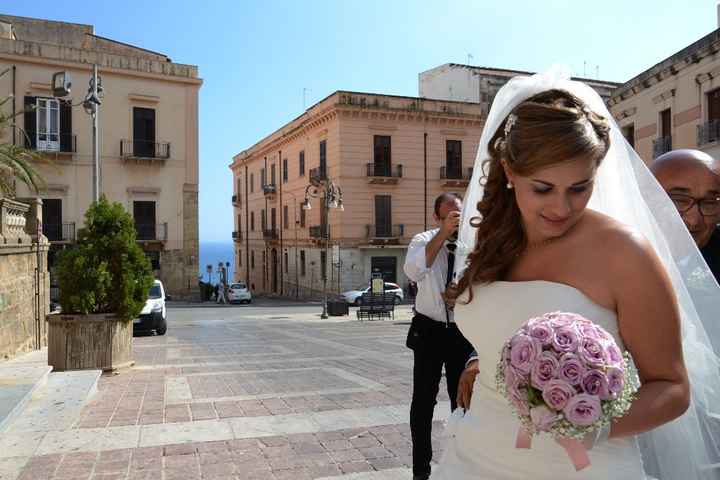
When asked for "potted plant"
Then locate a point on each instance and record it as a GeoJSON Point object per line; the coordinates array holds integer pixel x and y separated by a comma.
{"type": "Point", "coordinates": [104, 281]}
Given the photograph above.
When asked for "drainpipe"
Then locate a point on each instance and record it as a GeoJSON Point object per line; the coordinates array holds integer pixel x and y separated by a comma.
{"type": "Point", "coordinates": [282, 223]}
{"type": "Point", "coordinates": [247, 232]}
{"type": "Point", "coordinates": [425, 182]}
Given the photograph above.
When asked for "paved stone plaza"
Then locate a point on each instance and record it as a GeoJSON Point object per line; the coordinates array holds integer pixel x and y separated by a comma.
{"type": "Point", "coordinates": [241, 393]}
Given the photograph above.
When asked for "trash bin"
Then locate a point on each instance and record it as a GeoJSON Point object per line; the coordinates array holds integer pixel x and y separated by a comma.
{"type": "Point", "coordinates": [337, 308]}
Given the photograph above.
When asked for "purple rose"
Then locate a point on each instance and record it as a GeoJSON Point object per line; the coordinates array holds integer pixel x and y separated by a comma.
{"type": "Point", "coordinates": [594, 382]}
{"type": "Point", "coordinates": [571, 369]}
{"type": "Point", "coordinates": [561, 319]}
{"type": "Point", "coordinates": [543, 418]}
{"type": "Point", "coordinates": [543, 370]}
{"type": "Point", "coordinates": [591, 351]}
{"type": "Point", "coordinates": [613, 354]}
{"type": "Point", "coordinates": [616, 381]}
{"type": "Point", "coordinates": [556, 394]}
{"type": "Point", "coordinates": [565, 339]}
{"type": "Point", "coordinates": [523, 352]}
{"type": "Point", "coordinates": [583, 410]}
{"type": "Point", "coordinates": [541, 331]}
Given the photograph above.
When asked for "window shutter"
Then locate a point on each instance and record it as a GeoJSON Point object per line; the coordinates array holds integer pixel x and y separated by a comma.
{"type": "Point", "coordinates": [66, 140]}
{"type": "Point", "coordinates": [30, 115]}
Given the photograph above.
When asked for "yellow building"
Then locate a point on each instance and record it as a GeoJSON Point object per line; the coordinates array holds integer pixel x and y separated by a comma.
{"type": "Point", "coordinates": [675, 103]}
{"type": "Point", "coordinates": [148, 136]}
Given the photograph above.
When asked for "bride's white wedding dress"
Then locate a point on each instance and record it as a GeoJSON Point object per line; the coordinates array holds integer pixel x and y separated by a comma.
{"type": "Point", "coordinates": [482, 443]}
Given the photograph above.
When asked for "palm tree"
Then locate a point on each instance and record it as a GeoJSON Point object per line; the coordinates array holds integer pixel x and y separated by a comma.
{"type": "Point", "coordinates": [16, 162]}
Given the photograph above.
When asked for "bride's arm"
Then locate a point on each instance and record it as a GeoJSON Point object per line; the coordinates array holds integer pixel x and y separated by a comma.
{"type": "Point", "coordinates": [649, 322]}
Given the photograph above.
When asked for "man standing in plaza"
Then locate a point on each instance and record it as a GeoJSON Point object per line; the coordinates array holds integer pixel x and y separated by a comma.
{"type": "Point", "coordinates": [433, 335]}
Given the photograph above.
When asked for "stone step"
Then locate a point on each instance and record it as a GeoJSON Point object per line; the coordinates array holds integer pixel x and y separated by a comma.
{"type": "Point", "coordinates": [18, 382]}
{"type": "Point", "coordinates": [57, 405]}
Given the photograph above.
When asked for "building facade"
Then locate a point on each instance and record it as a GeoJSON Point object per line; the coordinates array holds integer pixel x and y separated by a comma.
{"type": "Point", "coordinates": [674, 104]}
{"type": "Point", "coordinates": [148, 137]}
{"type": "Point", "coordinates": [391, 157]}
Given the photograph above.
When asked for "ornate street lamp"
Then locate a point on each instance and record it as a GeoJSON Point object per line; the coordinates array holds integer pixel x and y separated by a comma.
{"type": "Point", "coordinates": [331, 196]}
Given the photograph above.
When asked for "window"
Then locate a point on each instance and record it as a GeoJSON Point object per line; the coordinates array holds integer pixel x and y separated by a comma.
{"type": "Point", "coordinates": [301, 163]}
{"type": "Point", "coordinates": [665, 123]}
{"type": "Point", "coordinates": [323, 158]}
{"type": "Point", "coordinates": [383, 216]}
{"type": "Point", "coordinates": [52, 219]}
{"type": "Point", "coordinates": [286, 262]}
{"type": "Point", "coordinates": [453, 159]}
{"type": "Point", "coordinates": [48, 124]}
{"type": "Point", "coordinates": [273, 219]}
{"type": "Point", "coordinates": [302, 216]}
{"type": "Point", "coordinates": [239, 257]}
{"type": "Point", "coordinates": [263, 219]}
{"type": "Point", "coordinates": [239, 191]}
{"type": "Point", "coordinates": [239, 223]}
{"type": "Point", "coordinates": [144, 215]}
{"type": "Point", "coordinates": [252, 259]}
{"type": "Point", "coordinates": [252, 221]}
{"type": "Point", "coordinates": [302, 263]}
{"type": "Point", "coordinates": [285, 217]}
{"type": "Point", "coordinates": [154, 258]}
{"type": "Point", "coordinates": [263, 177]}
{"type": "Point", "coordinates": [381, 155]}
{"type": "Point", "coordinates": [252, 182]}
{"type": "Point", "coordinates": [285, 170]}
{"type": "Point", "coordinates": [713, 100]}
{"type": "Point", "coordinates": [272, 174]}
{"type": "Point", "coordinates": [628, 132]}
{"type": "Point", "coordinates": [143, 132]}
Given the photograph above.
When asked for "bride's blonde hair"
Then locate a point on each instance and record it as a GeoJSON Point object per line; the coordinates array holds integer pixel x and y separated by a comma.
{"type": "Point", "coordinates": [550, 128]}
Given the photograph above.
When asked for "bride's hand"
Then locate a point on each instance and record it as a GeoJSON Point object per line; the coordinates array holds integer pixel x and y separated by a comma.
{"type": "Point", "coordinates": [465, 385]}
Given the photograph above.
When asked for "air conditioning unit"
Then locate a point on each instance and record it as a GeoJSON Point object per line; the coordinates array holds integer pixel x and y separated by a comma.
{"type": "Point", "coordinates": [6, 31]}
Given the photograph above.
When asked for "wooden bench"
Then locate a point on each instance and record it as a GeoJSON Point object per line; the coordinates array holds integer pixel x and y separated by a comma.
{"type": "Point", "coordinates": [376, 306]}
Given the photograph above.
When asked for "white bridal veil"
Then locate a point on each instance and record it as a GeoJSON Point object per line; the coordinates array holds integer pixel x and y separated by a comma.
{"type": "Point", "coordinates": [688, 447]}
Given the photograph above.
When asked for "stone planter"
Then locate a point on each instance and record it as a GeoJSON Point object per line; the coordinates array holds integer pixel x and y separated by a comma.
{"type": "Point", "coordinates": [95, 341]}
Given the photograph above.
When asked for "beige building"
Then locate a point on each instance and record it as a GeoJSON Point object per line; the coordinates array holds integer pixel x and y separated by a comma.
{"type": "Point", "coordinates": [390, 155]}
{"type": "Point", "coordinates": [148, 137]}
{"type": "Point", "coordinates": [674, 104]}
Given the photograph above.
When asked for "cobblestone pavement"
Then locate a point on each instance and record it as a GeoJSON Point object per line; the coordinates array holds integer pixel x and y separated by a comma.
{"type": "Point", "coordinates": [227, 395]}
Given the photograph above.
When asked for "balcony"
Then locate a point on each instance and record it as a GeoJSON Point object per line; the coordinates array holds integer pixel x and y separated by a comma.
{"type": "Point", "coordinates": [662, 145]}
{"type": "Point", "coordinates": [59, 232]}
{"type": "Point", "coordinates": [269, 190]}
{"type": "Point", "coordinates": [318, 175]}
{"type": "Point", "coordinates": [236, 200]}
{"type": "Point", "coordinates": [61, 144]}
{"type": "Point", "coordinates": [270, 234]}
{"type": "Point", "coordinates": [455, 177]}
{"type": "Point", "coordinates": [384, 174]}
{"type": "Point", "coordinates": [151, 232]}
{"type": "Point", "coordinates": [708, 133]}
{"type": "Point", "coordinates": [237, 236]}
{"type": "Point", "coordinates": [142, 150]}
{"type": "Point", "coordinates": [385, 234]}
{"type": "Point", "coordinates": [317, 231]}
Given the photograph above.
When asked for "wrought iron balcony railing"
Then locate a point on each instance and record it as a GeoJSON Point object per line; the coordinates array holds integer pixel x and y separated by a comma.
{"type": "Point", "coordinates": [662, 145]}
{"type": "Point", "coordinates": [318, 174]}
{"type": "Point", "coordinates": [317, 231]}
{"type": "Point", "coordinates": [144, 149]}
{"type": "Point", "coordinates": [269, 189]}
{"type": "Point", "coordinates": [708, 132]}
{"type": "Point", "coordinates": [384, 170]}
{"type": "Point", "coordinates": [270, 234]}
{"type": "Point", "coordinates": [59, 232]}
{"type": "Point", "coordinates": [52, 142]}
{"type": "Point", "coordinates": [456, 173]}
{"type": "Point", "coordinates": [385, 231]}
{"type": "Point", "coordinates": [234, 199]}
{"type": "Point", "coordinates": [237, 235]}
{"type": "Point", "coordinates": [151, 232]}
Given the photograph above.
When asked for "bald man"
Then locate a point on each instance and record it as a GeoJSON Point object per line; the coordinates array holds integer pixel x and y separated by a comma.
{"type": "Point", "coordinates": [692, 179]}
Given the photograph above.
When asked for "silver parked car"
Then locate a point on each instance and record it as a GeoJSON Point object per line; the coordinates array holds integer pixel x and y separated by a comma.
{"type": "Point", "coordinates": [354, 297]}
{"type": "Point", "coordinates": [239, 293]}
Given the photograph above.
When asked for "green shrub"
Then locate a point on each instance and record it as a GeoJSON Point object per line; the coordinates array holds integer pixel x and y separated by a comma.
{"type": "Point", "coordinates": [105, 271]}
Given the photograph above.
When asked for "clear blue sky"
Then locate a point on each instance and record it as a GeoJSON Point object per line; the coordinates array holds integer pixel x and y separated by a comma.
{"type": "Point", "coordinates": [257, 56]}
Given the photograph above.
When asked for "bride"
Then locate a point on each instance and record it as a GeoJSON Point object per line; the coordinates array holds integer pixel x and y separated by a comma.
{"type": "Point", "coordinates": [568, 218]}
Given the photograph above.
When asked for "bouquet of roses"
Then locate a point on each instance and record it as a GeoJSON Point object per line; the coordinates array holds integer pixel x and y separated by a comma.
{"type": "Point", "coordinates": [566, 376]}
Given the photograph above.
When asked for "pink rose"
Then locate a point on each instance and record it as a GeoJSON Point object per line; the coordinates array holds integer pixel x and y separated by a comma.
{"type": "Point", "coordinates": [543, 418]}
{"type": "Point", "coordinates": [557, 393]}
{"type": "Point", "coordinates": [543, 370]}
{"type": "Point", "coordinates": [571, 369]}
{"type": "Point", "coordinates": [613, 354]}
{"type": "Point", "coordinates": [565, 339]}
{"type": "Point", "coordinates": [594, 382]}
{"type": "Point", "coordinates": [616, 381]}
{"type": "Point", "coordinates": [592, 352]}
{"type": "Point", "coordinates": [523, 352]}
{"type": "Point", "coordinates": [542, 331]}
{"type": "Point", "coordinates": [583, 410]}
{"type": "Point", "coordinates": [561, 319]}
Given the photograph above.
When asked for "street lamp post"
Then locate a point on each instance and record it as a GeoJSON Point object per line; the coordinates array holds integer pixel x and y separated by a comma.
{"type": "Point", "coordinates": [331, 196]}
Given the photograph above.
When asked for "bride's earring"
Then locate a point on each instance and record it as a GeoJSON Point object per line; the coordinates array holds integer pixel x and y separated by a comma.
{"type": "Point", "coordinates": [509, 185]}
